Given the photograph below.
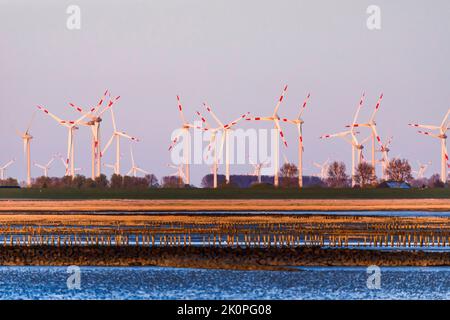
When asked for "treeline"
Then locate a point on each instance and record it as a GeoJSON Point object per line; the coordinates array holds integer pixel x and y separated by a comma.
{"type": "Point", "coordinates": [397, 170]}
{"type": "Point", "coordinates": [81, 182]}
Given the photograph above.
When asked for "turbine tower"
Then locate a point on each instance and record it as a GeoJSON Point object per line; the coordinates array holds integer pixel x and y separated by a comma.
{"type": "Point", "coordinates": [276, 121]}
{"type": "Point", "coordinates": [441, 134]}
{"type": "Point", "coordinates": [26, 139]}
{"type": "Point", "coordinates": [3, 169]}
{"type": "Point", "coordinates": [298, 122]}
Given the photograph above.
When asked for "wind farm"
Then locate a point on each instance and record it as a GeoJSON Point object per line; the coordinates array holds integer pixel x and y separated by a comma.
{"type": "Point", "coordinates": [218, 150]}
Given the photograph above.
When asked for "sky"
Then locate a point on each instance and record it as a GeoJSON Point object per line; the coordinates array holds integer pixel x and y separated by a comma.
{"type": "Point", "coordinates": [237, 55]}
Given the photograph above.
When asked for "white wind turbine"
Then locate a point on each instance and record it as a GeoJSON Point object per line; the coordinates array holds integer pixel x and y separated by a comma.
{"type": "Point", "coordinates": [442, 136]}
{"type": "Point", "coordinates": [258, 166]}
{"type": "Point", "coordinates": [420, 173]}
{"type": "Point", "coordinates": [4, 167]}
{"type": "Point", "coordinates": [298, 122]}
{"type": "Point", "coordinates": [372, 125]}
{"type": "Point", "coordinates": [26, 139]}
{"type": "Point", "coordinates": [45, 167]}
{"type": "Point", "coordinates": [356, 145]}
{"type": "Point", "coordinates": [95, 116]}
{"type": "Point", "coordinates": [225, 129]}
{"type": "Point", "coordinates": [323, 169]}
{"type": "Point", "coordinates": [212, 147]}
{"type": "Point", "coordinates": [276, 121]}
{"type": "Point", "coordinates": [117, 135]}
{"type": "Point", "coordinates": [384, 149]}
{"type": "Point", "coordinates": [134, 168]}
{"type": "Point", "coordinates": [71, 126]}
{"type": "Point", "coordinates": [184, 131]}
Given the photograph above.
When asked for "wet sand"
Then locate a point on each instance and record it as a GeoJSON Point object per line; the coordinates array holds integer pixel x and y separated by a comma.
{"type": "Point", "coordinates": [214, 258]}
{"type": "Point", "coordinates": [56, 206]}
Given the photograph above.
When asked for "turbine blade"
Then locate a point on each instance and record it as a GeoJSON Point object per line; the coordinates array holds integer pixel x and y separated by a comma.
{"type": "Point", "coordinates": [275, 112]}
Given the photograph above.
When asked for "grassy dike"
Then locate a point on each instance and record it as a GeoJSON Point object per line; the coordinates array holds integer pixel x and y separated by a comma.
{"type": "Point", "coordinates": [225, 193]}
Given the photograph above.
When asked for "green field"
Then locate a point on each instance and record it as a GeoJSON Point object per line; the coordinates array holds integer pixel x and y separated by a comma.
{"type": "Point", "coordinates": [226, 193]}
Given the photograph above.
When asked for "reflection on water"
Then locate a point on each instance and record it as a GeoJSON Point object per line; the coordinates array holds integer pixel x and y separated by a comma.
{"type": "Point", "coordinates": [173, 283]}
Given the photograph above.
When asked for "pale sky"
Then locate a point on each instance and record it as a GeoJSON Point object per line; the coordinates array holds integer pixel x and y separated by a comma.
{"type": "Point", "coordinates": [237, 55]}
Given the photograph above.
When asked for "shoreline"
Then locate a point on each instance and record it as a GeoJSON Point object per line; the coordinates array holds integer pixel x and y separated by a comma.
{"type": "Point", "coordinates": [218, 205]}
{"type": "Point", "coordinates": [215, 258]}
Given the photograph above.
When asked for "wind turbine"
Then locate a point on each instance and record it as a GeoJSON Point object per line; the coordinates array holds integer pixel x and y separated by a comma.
{"type": "Point", "coordinates": [212, 147]}
{"type": "Point", "coordinates": [117, 135]}
{"type": "Point", "coordinates": [71, 126]}
{"type": "Point", "coordinates": [134, 168]}
{"type": "Point", "coordinates": [26, 138]}
{"type": "Point", "coordinates": [225, 140]}
{"type": "Point", "coordinates": [323, 169]}
{"type": "Point", "coordinates": [258, 167]}
{"type": "Point", "coordinates": [441, 134]}
{"type": "Point", "coordinates": [45, 167]}
{"type": "Point", "coordinates": [184, 131]}
{"type": "Point", "coordinates": [298, 122]}
{"type": "Point", "coordinates": [95, 116]}
{"type": "Point", "coordinates": [384, 149]}
{"type": "Point", "coordinates": [4, 167]}
{"type": "Point", "coordinates": [422, 168]}
{"type": "Point", "coordinates": [372, 125]}
{"type": "Point", "coordinates": [356, 145]}
{"type": "Point", "coordinates": [276, 121]}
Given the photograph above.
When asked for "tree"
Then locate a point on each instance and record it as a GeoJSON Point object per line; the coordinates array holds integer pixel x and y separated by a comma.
{"type": "Point", "coordinates": [101, 181]}
{"type": "Point", "coordinates": [336, 176]}
{"type": "Point", "coordinates": [152, 181]}
{"type": "Point", "coordinates": [10, 182]}
{"type": "Point", "coordinates": [365, 175]}
{"type": "Point", "coordinates": [171, 182]}
{"type": "Point", "coordinates": [79, 181]}
{"type": "Point", "coordinates": [289, 175]}
{"type": "Point", "coordinates": [208, 180]}
{"type": "Point", "coordinates": [435, 181]}
{"type": "Point", "coordinates": [399, 170]}
{"type": "Point", "coordinates": [116, 181]}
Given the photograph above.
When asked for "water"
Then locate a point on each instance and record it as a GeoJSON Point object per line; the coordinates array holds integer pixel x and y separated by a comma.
{"type": "Point", "coordinates": [174, 283]}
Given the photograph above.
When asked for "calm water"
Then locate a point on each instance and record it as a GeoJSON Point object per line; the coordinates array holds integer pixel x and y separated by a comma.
{"type": "Point", "coordinates": [173, 283]}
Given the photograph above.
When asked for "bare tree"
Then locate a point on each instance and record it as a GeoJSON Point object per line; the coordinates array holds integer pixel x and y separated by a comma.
{"type": "Point", "coordinates": [399, 170]}
{"type": "Point", "coordinates": [365, 175]}
{"type": "Point", "coordinates": [336, 176]}
{"type": "Point", "coordinates": [289, 175]}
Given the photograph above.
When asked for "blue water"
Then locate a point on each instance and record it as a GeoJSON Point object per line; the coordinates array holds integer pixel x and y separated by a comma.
{"type": "Point", "coordinates": [173, 283]}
